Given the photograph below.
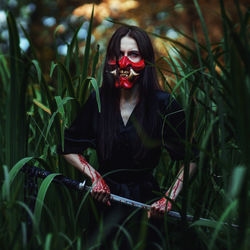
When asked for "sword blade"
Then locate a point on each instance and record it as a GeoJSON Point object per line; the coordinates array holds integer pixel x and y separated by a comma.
{"type": "Point", "coordinates": [81, 186]}
{"type": "Point", "coordinates": [123, 200]}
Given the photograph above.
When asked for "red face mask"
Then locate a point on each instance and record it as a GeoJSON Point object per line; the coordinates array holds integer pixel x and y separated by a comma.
{"type": "Point", "coordinates": [128, 72]}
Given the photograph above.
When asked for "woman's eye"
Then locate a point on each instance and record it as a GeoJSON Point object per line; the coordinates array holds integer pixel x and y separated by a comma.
{"type": "Point", "coordinates": [134, 54]}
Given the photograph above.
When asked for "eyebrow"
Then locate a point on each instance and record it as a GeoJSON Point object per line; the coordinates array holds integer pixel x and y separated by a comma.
{"type": "Point", "coordinates": [132, 50]}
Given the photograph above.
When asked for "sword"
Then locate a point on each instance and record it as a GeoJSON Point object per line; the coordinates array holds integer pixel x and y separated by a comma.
{"type": "Point", "coordinates": [81, 186]}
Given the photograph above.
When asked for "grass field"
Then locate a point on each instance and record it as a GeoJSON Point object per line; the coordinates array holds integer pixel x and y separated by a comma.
{"type": "Point", "coordinates": [35, 109]}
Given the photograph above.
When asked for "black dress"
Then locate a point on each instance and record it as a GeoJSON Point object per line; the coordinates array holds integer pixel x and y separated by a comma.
{"type": "Point", "coordinates": [124, 173]}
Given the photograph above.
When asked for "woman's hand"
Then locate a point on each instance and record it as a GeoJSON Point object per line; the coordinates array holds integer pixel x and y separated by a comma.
{"type": "Point", "coordinates": [100, 191]}
{"type": "Point", "coordinates": [158, 208]}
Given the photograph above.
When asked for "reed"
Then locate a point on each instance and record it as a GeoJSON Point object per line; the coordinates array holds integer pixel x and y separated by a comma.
{"type": "Point", "coordinates": [215, 93]}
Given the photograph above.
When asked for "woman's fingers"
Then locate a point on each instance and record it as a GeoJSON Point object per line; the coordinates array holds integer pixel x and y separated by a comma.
{"type": "Point", "coordinates": [106, 197]}
{"type": "Point", "coordinates": [158, 208]}
{"type": "Point", "coordinates": [152, 212]}
{"type": "Point", "coordinates": [101, 196]}
{"type": "Point", "coordinates": [169, 206]}
{"type": "Point", "coordinates": [157, 211]}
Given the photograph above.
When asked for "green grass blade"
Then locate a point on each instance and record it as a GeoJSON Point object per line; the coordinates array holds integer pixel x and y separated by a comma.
{"type": "Point", "coordinates": [52, 68]}
{"type": "Point", "coordinates": [66, 74]}
{"type": "Point", "coordinates": [6, 185]}
{"type": "Point", "coordinates": [81, 204]}
{"type": "Point", "coordinates": [51, 101]}
{"type": "Point", "coordinates": [30, 214]}
{"type": "Point", "coordinates": [67, 239]}
{"type": "Point", "coordinates": [96, 88]}
{"type": "Point", "coordinates": [83, 83]}
{"type": "Point", "coordinates": [44, 87]}
{"type": "Point", "coordinates": [33, 52]}
{"type": "Point", "coordinates": [24, 234]}
{"type": "Point", "coordinates": [87, 48]}
{"type": "Point", "coordinates": [204, 28]}
{"type": "Point", "coordinates": [41, 195]}
{"type": "Point", "coordinates": [10, 176]}
{"type": "Point", "coordinates": [78, 243]}
{"type": "Point", "coordinates": [48, 241]}
{"type": "Point", "coordinates": [60, 107]}
{"type": "Point", "coordinates": [4, 71]}
{"type": "Point", "coordinates": [38, 70]}
{"type": "Point", "coordinates": [204, 223]}
{"type": "Point", "coordinates": [95, 61]}
{"type": "Point", "coordinates": [237, 181]}
{"type": "Point", "coordinates": [186, 76]}
{"type": "Point", "coordinates": [71, 47]}
{"type": "Point", "coordinates": [220, 224]}
{"type": "Point", "coordinates": [12, 150]}
{"type": "Point", "coordinates": [15, 170]}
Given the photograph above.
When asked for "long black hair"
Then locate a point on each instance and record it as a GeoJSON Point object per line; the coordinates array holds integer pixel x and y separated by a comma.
{"type": "Point", "coordinates": [110, 95]}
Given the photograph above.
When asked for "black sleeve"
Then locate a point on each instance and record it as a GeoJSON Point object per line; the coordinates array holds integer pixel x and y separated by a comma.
{"type": "Point", "coordinates": [81, 133]}
{"type": "Point", "coordinates": [174, 131]}
{"type": "Point", "coordinates": [174, 128]}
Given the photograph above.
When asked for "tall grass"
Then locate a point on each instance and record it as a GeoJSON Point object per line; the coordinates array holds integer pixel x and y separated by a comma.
{"type": "Point", "coordinates": [215, 93]}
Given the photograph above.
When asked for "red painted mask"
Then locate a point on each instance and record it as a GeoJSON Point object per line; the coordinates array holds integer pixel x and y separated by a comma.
{"type": "Point", "coordinates": [128, 71]}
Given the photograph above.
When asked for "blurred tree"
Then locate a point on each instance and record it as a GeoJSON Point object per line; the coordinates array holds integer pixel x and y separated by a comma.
{"type": "Point", "coordinates": [162, 17]}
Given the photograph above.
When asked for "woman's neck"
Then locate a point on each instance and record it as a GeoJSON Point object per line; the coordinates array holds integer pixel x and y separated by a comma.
{"type": "Point", "coordinates": [128, 101]}
{"type": "Point", "coordinates": [130, 95]}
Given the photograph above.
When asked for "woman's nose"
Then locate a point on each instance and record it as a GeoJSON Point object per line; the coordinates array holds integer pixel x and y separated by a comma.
{"type": "Point", "coordinates": [124, 62]}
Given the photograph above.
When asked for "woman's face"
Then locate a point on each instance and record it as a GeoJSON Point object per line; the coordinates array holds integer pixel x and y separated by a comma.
{"type": "Point", "coordinates": [129, 49]}
{"type": "Point", "coordinates": [130, 63]}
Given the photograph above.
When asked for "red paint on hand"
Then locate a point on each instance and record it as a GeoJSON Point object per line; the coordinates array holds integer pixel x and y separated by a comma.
{"type": "Point", "coordinates": [175, 188]}
{"type": "Point", "coordinates": [100, 190]}
{"type": "Point", "coordinates": [160, 205]}
{"type": "Point", "coordinates": [159, 208]}
{"type": "Point", "coordinates": [100, 185]}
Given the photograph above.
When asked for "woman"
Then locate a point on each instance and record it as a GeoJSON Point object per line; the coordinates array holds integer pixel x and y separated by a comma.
{"type": "Point", "coordinates": [137, 119]}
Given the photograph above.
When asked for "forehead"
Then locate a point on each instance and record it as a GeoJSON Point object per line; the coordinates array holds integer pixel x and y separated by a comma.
{"type": "Point", "coordinates": [128, 43]}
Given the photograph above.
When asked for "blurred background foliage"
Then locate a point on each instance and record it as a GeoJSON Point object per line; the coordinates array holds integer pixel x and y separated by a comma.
{"type": "Point", "coordinates": [51, 24]}
{"type": "Point", "coordinates": [51, 55]}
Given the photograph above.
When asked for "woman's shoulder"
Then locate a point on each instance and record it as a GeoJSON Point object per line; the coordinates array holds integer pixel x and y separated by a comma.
{"type": "Point", "coordinates": [90, 105]}
{"type": "Point", "coordinates": [162, 97]}
{"type": "Point", "coordinates": [92, 98]}
{"type": "Point", "coordinates": [166, 101]}
{"type": "Point", "coordinates": [92, 95]}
